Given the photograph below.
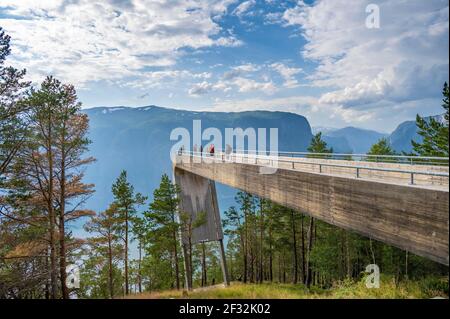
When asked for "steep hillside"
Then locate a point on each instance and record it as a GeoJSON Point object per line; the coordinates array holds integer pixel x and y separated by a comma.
{"type": "Point", "coordinates": [138, 140]}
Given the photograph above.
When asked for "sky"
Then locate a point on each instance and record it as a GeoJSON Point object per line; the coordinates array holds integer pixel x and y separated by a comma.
{"type": "Point", "coordinates": [315, 58]}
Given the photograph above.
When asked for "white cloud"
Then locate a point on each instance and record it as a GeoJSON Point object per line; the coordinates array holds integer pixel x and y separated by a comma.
{"type": "Point", "coordinates": [247, 67]}
{"type": "Point", "coordinates": [297, 104]}
{"type": "Point", "coordinates": [205, 87]}
{"type": "Point", "coordinates": [243, 8]}
{"type": "Point", "coordinates": [241, 84]}
{"type": "Point", "coordinates": [200, 89]}
{"type": "Point", "coordinates": [249, 85]}
{"type": "Point", "coordinates": [230, 41]}
{"type": "Point", "coordinates": [241, 70]}
{"type": "Point", "coordinates": [273, 18]}
{"type": "Point", "coordinates": [321, 114]}
{"type": "Point", "coordinates": [160, 79]}
{"type": "Point", "coordinates": [287, 73]}
{"type": "Point", "coordinates": [406, 59]}
{"type": "Point", "coordinates": [89, 40]}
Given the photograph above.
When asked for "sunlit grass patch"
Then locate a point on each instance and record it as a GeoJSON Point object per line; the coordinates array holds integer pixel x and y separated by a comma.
{"type": "Point", "coordinates": [389, 289]}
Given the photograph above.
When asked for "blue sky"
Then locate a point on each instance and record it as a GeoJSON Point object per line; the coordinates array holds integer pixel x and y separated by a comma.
{"type": "Point", "coordinates": [315, 58]}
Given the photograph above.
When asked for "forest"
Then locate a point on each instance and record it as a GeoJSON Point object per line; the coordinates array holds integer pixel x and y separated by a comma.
{"type": "Point", "coordinates": [133, 246]}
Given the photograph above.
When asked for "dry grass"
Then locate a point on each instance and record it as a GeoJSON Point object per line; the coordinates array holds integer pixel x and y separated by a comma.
{"type": "Point", "coordinates": [343, 290]}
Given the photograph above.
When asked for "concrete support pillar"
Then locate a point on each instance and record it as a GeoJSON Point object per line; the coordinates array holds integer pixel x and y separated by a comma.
{"type": "Point", "coordinates": [198, 195]}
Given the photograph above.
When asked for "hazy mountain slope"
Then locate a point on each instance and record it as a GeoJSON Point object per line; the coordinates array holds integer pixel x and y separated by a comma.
{"type": "Point", "coordinates": [137, 140]}
{"type": "Point", "coordinates": [359, 140]}
{"type": "Point", "coordinates": [400, 138]}
{"type": "Point", "coordinates": [338, 143]}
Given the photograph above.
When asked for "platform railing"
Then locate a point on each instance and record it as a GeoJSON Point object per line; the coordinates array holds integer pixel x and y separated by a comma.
{"type": "Point", "coordinates": [415, 165]}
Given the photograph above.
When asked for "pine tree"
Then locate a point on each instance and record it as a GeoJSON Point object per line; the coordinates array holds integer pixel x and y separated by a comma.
{"type": "Point", "coordinates": [139, 231]}
{"type": "Point", "coordinates": [126, 201]}
{"type": "Point", "coordinates": [163, 225]}
{"type": "Point", "coordinates": [60, 130]}
{"type": "Point", "coordinates": [382, 147]}
{"type": "Point", "coordinates": [247, 203]}
{"type": "Point", "coordinates": [13, 123]}
{"type": "Point", "coordinates": [318, 145]}
{"type": "Point", "coordinates": [434, 132]}
{"type": "Point", "coordinates": [106, 242]}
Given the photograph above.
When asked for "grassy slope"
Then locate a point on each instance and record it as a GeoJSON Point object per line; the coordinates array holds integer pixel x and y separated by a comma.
{"type": "Point", "coordinates": [422, 289]}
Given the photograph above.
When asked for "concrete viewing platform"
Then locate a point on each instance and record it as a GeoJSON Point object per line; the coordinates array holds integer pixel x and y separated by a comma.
{"type": "Point", "coordinates": [398, 200]}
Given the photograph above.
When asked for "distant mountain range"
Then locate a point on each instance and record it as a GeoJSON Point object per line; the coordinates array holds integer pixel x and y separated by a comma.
{"type": "Point", "coordinates": [352, 139]}
{"type": "Point", "coordinates": [137, 140]}
{"type": "Point", "coordinates": [400, 138]}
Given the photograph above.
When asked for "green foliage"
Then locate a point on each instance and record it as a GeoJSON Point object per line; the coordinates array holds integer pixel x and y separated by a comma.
{"type": "Point", "coordinates": [161, 217]}
{"type": "Point", "coordinates": [427, 288]}
{"type": "Point", "coordinates": [94, 278]}
{"type": "Point", "coordinates": [319, 146]}
{"type": "Point", "coordinates": [162, 234]}
{"type": "Point", "coordinates": [382, 147]}
{"type": "Point", "coordinates": [13, 122]}
{"type": "Point", "coordinates": [125, 201]}
{"type": "Point", "coordinates": [434, 132]}
{"type": "Point", "coordinates": [434, 286]}
{"type": "Point", "coordinates": [125, 198]}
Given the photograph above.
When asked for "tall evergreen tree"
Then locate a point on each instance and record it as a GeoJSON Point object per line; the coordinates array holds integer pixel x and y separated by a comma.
{"type": "Point", "coordinates": [13, 123]}
{"type": "Point", "coordinates": [45, 179]}
{"type": "Point", "coordinates": [163, 224]}
{"type": "Point", "coordinates": [382, 147]}
{"type": "Point", "coordinates": [126, 200]}
{"type": "Point", "coordinates": [318, 145]}
{"type": "Point", "coordinates": [60, 130]}
{"type": "Point", "coordinates": [107, 241]}
{"type": "Point", "coordinates": [434, 131]}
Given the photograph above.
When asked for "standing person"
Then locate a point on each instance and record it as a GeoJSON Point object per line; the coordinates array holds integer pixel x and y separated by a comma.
{"type": "Point", "coordinates": [212, 150]}
{"type": "Point", "coordinates": [201, 150]}
{"type": "Point", "coordinates": [228, 151]}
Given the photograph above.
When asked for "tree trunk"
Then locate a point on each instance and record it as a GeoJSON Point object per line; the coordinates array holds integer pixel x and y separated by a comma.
{"type": "Point", "coordinates": [62, 232]}
{"type": "Point", "coordinates": [308, 261]}
{"type": "Point", "coordinates": [245, 249]}
{"type": "Point", "coordinates": [251, 273]}
{"type": "Point", "coordinates": [139, 267]}
{"type": "Point", "coordinates": [270, 255]}
{"type": "Point", "coordinates": [348, 259]}
{"type": "Point", "coordinates": [372, 251]}
{"type": "Point", "coordinates": [51, 213]}
{"type": "Point", "coordinates": [303, 250]}
{"type": "Point", "coordinates": [110, 266]}
{"type": "Point", "coordinates": [294, 247]}
{"type": "Point", "coordinates": [47, 285]}
{"type": "Point", "coordinates": [406, 265]}
{"type": "Point", "coordinates": [261, 247]}
{"type": "Point", "coordinates": [204, 278]}
{"type": "Point", "coordinates": [279, 268]}
{"type": "Point", "coordinates": [175, 259]}
{"type": "Point", "coordinates": [126, 253]}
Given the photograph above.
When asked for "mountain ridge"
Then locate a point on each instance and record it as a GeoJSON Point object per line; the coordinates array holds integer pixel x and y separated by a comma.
{"type": "Point", "coordinates": [136, 139]}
